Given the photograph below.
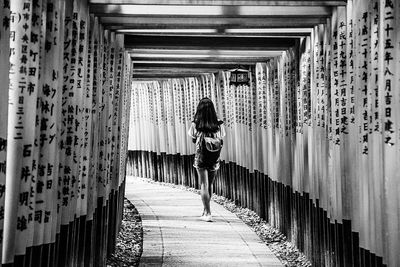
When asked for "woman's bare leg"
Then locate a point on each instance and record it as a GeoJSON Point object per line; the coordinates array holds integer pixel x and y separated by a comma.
{"type": "Point", "coordinates": [211, 177]}
{"type": "Point", "coordinates": [205, 196]}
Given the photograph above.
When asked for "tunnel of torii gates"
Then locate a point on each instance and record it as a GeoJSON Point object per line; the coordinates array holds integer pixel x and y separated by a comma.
{"type": "Point", "coordinates": [313, 139]}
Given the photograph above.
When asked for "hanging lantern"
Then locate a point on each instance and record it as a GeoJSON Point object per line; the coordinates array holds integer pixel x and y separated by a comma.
{"type": "Point", "coordinates": [239, 77]}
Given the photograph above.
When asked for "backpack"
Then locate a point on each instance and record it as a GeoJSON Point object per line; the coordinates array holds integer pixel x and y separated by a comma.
{"type": "Point", "coordinates": [210, 149]}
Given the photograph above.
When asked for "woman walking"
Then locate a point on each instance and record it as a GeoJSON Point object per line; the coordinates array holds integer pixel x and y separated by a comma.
{"type": "Point", "coordinates": [206, 132]}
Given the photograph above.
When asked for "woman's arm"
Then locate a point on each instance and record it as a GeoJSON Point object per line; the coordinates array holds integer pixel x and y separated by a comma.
{"type": "Point", "coordinates": [222, 131]}
{"type": "Point", "coordinates": [193, 132]}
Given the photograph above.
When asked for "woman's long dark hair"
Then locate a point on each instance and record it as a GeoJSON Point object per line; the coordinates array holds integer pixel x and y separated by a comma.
{"type": "Point", "coordinates": [206, 118]}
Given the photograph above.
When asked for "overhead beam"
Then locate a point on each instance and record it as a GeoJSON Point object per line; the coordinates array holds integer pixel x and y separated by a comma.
{"type": "Point", "coordinates": [252, 32]}
{"type": "Point", "coordinates": [193, 65]}
{"type": "Point", "coordinates": [239, 60]}
{"type": "Point", "coordinates": [154, 79]}
{"type": "Point", "coordinates": [224, 2]}
{"type": "Point", "coordinates": [269, 35]}
{"type": "Point", "coordinates": [184, 22]}
{"type": "Point", "coordinates": [176, 69]}
{"type": "Point", "coordinates": [209, 43]}
{"type": "Point", "coordinates": [212, 10]}
{"type": "Point", "coordinates": [185, 53]}
{"type": "Point", "coordinates": [142, 75]}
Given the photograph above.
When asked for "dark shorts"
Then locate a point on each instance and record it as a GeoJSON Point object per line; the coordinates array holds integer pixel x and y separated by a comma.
{"type": "Point", "coordinates": [200, 165]}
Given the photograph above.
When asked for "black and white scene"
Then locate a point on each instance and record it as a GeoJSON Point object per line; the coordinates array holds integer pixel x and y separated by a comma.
{"type": "Point", "coordinates": [200, 133]}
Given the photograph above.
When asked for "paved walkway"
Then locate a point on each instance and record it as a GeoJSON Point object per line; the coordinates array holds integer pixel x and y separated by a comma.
{"type": "Point", "coordinates": [174, 235]}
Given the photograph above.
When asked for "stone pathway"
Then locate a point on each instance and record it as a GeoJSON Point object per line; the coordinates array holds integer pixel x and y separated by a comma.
{"type": "Point", "coordinates": [174, 235]}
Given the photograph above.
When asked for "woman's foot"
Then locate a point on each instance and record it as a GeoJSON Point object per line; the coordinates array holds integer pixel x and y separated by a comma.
{"type": "Point", "coordinates": [207, 218]}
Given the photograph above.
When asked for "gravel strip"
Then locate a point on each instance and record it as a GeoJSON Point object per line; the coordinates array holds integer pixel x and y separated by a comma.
{"type": "Point", "coordinates": [129, 245]}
